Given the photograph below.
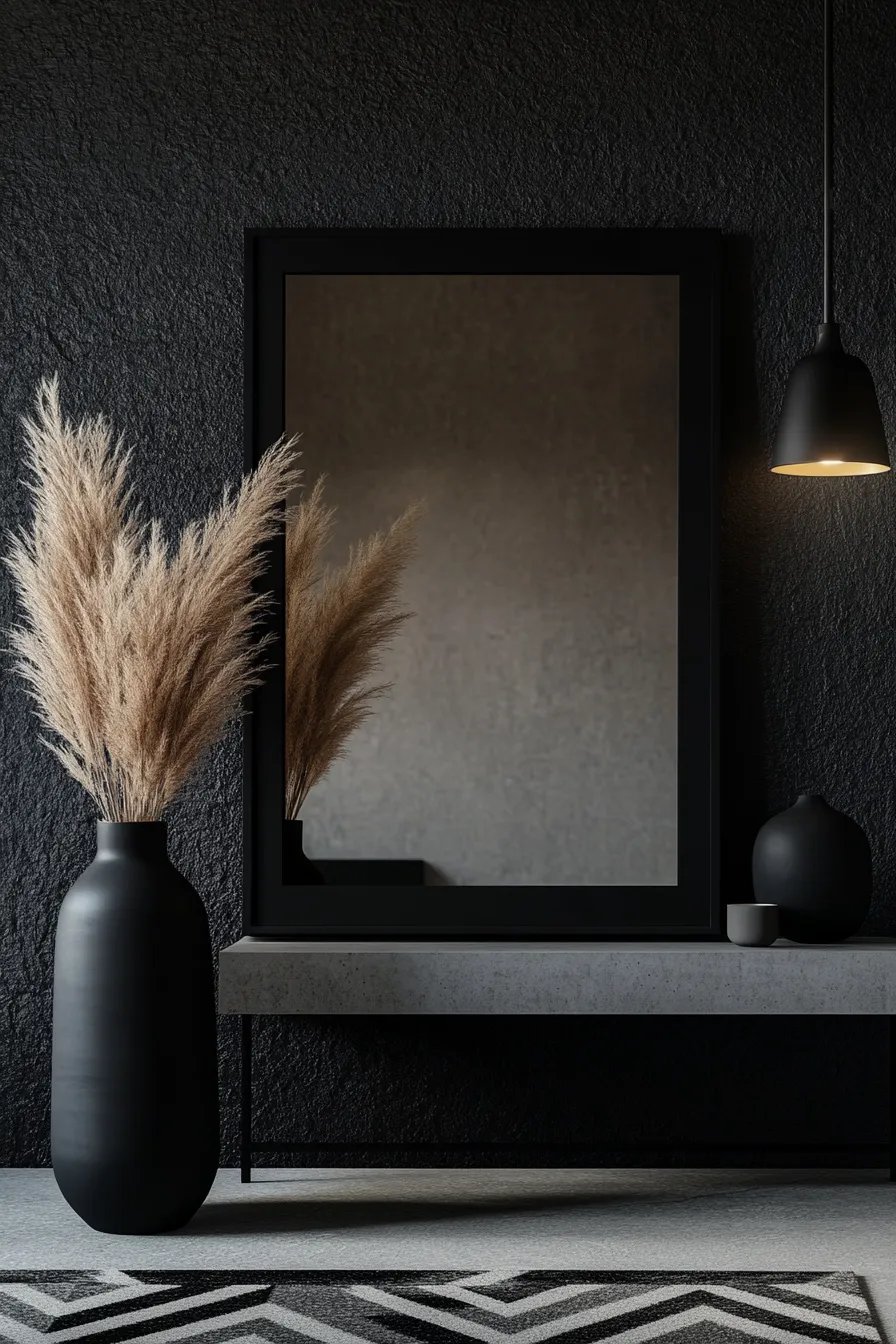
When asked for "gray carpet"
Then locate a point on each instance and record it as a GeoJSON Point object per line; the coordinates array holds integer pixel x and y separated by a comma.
{"type": "Point", "coordinates": [433, 1307]}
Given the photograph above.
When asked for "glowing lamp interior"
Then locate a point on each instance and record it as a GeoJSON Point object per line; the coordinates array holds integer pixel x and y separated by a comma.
{"type": "Point", "coordinates": [830, 467]}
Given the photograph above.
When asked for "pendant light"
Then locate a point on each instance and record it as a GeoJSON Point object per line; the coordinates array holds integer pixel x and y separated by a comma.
{"type": "Point", "coordinates": [830, 421]}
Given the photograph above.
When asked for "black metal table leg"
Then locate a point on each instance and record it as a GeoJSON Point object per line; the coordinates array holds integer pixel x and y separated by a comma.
{"type": "Point", "coordinates": [893, 1098]}
{"type": "Point", "coordinates": [245, 1098]}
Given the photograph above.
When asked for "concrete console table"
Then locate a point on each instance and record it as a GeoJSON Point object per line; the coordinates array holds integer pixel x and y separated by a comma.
{"type": "Point", "coordinates": [271, 976]}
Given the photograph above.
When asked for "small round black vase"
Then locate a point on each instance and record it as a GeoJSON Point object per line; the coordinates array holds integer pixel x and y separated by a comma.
{"type": "Point", "coordinates": [134, 1127]}
{"type": "Point", "coordinates": [298, 870]}
{"type": "Point", "coordinates": [814, 863]}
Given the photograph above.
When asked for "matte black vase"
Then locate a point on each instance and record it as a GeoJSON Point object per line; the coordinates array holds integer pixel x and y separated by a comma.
{"type": "Point", "coordinates": [814, 863]}
{"type": "Point", "coordinates": [298, 870]}
{"type": "Point", "coordinates": [135, 1091]}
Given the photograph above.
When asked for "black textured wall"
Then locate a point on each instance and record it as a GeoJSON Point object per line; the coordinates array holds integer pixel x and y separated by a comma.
{"type": "Point", "coordinates": [141, 136]}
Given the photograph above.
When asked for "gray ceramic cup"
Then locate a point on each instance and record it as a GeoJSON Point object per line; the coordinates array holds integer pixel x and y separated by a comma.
{"type": "Point", "coordinates": [753, 925]}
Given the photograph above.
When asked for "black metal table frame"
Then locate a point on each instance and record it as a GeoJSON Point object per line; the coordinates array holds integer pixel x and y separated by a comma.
{"type": "Point", "coordinates": [289, 1146]}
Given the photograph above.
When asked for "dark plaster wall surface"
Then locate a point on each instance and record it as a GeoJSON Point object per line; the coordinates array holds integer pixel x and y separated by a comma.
{"type": "Point", "coordinates": [139, 137]}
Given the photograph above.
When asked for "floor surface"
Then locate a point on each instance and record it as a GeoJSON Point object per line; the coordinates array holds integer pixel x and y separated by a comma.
{"type": "Point", "coordinates": [515, 1219]}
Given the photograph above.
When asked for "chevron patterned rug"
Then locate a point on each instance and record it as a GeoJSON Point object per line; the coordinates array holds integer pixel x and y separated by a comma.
{"type": "Point", "coordinates": [433, 1307]}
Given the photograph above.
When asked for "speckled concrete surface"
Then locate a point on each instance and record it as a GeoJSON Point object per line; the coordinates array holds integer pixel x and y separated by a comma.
{"type": "Point", "coordinates": [332, 1219]}
{"type": "Point", "coordinates": [266, 976]}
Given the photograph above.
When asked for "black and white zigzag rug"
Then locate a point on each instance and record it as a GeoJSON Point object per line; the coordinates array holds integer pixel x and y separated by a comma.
{"type": "Point", "coordinates": [433, 1307]}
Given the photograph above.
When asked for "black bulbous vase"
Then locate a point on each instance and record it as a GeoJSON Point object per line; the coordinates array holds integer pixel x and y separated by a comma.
{"type": "Point", "coordinates": [134, 1128]}
{"type": "Point", "coordinates": [814, 863]}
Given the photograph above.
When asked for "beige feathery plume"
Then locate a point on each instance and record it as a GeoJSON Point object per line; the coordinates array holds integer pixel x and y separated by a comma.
{"type": "Point", "coordinates": [136, 654]}
{"type": "Point", "coordinates": [337, 627]}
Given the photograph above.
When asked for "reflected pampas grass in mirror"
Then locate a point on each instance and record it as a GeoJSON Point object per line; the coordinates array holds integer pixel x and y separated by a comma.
{"type": "Point", "coordinates": [136, 652]}
{"type": "Point", "coordinates": [337, 627]}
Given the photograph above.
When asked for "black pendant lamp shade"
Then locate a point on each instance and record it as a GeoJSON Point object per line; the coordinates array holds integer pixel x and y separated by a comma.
{"type": "Point", "coordinates": [830, 422]}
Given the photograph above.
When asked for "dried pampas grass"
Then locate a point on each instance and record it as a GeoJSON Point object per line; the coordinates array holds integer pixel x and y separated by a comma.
{"type": "Point", "coordinates": [337, 626]}
{"type": "Point", "coordinates": [136, 654]}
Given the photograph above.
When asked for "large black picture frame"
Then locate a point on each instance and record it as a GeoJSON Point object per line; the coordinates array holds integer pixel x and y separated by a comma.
{"type": "Point", "coordinates": [691, 909]}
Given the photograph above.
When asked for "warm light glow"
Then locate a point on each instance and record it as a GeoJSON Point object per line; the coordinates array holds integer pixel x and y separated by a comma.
{"type": "Point", "coordinates": [830, 467]}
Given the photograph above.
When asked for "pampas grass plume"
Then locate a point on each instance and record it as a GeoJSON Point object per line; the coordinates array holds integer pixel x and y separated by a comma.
{"type": "Point", "coordinates": [337, 627]}
{"type": "Point", "coordinates": [136, 653]}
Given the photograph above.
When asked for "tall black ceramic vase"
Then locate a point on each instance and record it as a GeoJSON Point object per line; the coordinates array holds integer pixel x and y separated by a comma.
{"type": "Point", "coordinates": [814, 863]}
{"type": "Point", "coordinates": [135, 1091]}
{"type": "Point", "coordinates": [298, 869]}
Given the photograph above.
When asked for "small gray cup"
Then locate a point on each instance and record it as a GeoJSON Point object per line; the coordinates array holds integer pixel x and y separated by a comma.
{"type": "Point", "coordinates": [753, 925]}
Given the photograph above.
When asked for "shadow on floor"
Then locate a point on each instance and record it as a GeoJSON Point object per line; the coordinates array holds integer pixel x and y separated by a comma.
{"type": "Point", "coordinates": [294, 1211]}
{"type": "Point", "coordinates": [235, 1218]}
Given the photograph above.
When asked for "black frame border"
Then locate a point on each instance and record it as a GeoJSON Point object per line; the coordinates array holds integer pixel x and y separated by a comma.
{"type": "Point", "coordinates": [500, 913]}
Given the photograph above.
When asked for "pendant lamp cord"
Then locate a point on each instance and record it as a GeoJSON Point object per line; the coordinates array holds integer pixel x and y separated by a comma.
{"type": "Point", "coordinates": [828, 160]}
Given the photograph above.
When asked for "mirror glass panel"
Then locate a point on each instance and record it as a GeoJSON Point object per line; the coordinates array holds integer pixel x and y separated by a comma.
{"type": "Point", "coordinates": [529, 737]}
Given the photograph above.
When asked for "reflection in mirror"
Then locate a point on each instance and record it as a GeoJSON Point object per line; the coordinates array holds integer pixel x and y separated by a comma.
{"type": "Point", "coordinates": [530, 733]}
{"type": "Point", "coordinates": [340, 621]}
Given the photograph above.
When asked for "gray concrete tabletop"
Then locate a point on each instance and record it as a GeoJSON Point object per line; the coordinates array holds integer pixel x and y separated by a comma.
{"type": "Point", "coordinates": [259, 975]}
